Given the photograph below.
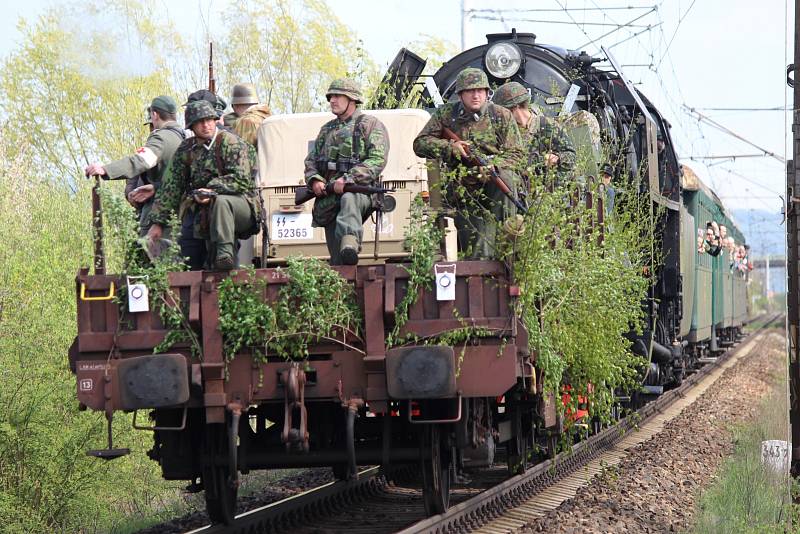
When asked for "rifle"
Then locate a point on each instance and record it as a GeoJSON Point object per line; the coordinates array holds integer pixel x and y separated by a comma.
{"type": "Point", "coordinates": [304, 194]}
{"type": "Point", "coordinates": [477, 160]}
{"type": "Point", "coordinates": [212, 81]}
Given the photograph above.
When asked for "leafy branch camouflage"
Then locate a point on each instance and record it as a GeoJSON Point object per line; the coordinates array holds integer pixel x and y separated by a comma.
{"type": "Point", "coordinates": [542, 136]}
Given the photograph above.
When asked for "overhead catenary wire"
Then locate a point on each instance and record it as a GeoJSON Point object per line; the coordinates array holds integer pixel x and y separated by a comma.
{"type": "Point", "coordinates": [729, 156]}
{"type": "Point", "coordinates": [621, 26]}
{"type": "Point", "coordinates": [677, 27]}
{"type": "Point", "coordinates": [776, 108]}
{"type": "Point", "coordinates": [515, 19]}
{"type": "Point", "coordinates": [711, 122]}
{"type": "Point", "coordinates": [552, 9]}
{"type": "Point", "coordinates": [647, 29]}
{"type": "Point", "coordinates": [653, 44]}
{"type": "Point", "coordinates": [750, 180]}
{"type": "Point", "coordinates": [575, 22]}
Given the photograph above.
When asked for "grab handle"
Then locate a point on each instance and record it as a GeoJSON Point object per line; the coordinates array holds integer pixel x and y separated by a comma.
{"type": "Point", "coordinates": [105, 297]}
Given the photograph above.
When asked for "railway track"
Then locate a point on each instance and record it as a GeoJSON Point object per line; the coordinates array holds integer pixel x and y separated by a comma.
{"type": "Point", "coordinates": [490, 502]}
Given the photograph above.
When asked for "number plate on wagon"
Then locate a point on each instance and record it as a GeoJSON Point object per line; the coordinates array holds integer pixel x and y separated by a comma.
{"type": "Point", "coordinates": [291, 227]}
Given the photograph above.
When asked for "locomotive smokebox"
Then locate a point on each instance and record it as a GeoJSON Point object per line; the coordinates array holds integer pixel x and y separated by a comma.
{"type": "Point", "coordinates": [421, 373]}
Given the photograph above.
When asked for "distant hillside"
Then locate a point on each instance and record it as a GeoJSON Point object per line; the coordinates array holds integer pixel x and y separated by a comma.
{"type": "Point", "coordinates": [763, 230]}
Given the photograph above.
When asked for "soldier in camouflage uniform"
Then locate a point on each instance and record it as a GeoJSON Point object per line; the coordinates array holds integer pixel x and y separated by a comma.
{"type": "Point", "coordinates": [489, 130]}
{"type": "Point", "coordinates": [352, 148]}
{"type": "Point", "coordinates": [144, 169]}
{"type": "Point", "coordinates": [548, 146]}
{"type": "Point", "coordinates": [214, 161]}
{"type": "Point", "coordinates": [243, 97]}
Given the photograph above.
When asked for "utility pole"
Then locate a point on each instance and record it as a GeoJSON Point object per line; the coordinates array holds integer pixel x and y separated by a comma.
{"type": "Point", "coordinates": [766, 289]}
{"type": "Point", "coordinates": [463, 25]}
{"type": "Point", "coordinates": [792, 210]}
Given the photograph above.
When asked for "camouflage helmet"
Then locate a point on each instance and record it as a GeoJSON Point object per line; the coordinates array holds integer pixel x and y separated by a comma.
{"type": "Point", "coordinates": [244, 93]}
{"type": "Point", "coordinates": [511, 95]}
{"type": "Point", "coordinates": [347, 87]}
{"type": "Point", "coordinates": [204, 94]}
{"type": "Point", "coordinates": [199, 110]}
{"type": "Point", "coordinates": [471, 78]}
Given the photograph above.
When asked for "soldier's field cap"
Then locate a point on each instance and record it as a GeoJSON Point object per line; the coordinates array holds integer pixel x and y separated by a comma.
{"type": "Point", "coordinates": [164, 103]}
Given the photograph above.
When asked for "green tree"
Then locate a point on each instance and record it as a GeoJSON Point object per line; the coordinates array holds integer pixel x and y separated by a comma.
{"type": "Point", "coordinates": [69, 95]}
{"type": "Point", "coordinates": [291, 51]}
{"type": "Point", "coordinates": [65, 96]}
{"type": "Point", "coordinates": [435, 50]}
{"type": "Point", "coordinates": [63, 93]}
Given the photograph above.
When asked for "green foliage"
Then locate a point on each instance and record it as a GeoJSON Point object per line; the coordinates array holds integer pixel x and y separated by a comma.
{"type": "Point", "coordinates": [127, 257]}
{"type": "Point", "coordinates": [47, 483]}
{"type": "Point", "coordinates": [69, 97]}
{"type": "Point", "coordinates": [290, 50]}
{"type": "Point", "coordinates": [245, 319]}
{"type": "Point", "coordinates": [422, 241]}
{"type": "Point", "coordinates": [314, 304]}
{"type": "Point", "coordinates": [579, 294]}
{"type": "Point", "coordinates": [435, 51]}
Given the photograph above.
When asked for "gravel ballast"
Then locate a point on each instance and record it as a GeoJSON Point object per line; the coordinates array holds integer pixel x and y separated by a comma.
{"type": "Point", "coordinates": [655, 488]}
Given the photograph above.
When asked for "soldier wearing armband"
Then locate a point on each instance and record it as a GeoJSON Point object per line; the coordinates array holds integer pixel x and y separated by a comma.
{"type": "Point", "coordinates": [144, 169]}
{"type": "Point", "coordinates": [350, 149]}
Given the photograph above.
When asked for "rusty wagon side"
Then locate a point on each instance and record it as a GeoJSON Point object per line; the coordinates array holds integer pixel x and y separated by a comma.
{"type": "Point", "coordinates": [347, 403]}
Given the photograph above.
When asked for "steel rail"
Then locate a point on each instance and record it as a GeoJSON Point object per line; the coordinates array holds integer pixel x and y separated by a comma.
{"type": "Point", "coordinates": [277, 516]}
{"type": "Point", "coordinates": [331, 498]}
{"type": "Point", "coordinates": [492, 503]}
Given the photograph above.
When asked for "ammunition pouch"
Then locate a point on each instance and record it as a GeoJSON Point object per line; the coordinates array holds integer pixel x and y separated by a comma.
{"type": "Point", "coordinates": [325, 210]}
{"type": "Point", "coordinates": [335, 167]}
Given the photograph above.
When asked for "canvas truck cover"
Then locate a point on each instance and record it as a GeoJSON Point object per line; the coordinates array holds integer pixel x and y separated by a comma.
{"type": "Point", "coordinates": [283, 144]}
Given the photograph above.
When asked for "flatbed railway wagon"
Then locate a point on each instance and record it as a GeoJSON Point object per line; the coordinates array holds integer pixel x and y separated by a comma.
{"type": "Point", "coordinates": [349, 401]}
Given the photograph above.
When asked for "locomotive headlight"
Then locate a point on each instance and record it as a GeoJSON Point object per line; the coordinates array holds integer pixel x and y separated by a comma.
{"type": "Point", "coordinates": [503, 60]}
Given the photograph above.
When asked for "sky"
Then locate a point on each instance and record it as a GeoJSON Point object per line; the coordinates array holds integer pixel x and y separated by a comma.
{"type": "Point", "coordinates": [701, 54]}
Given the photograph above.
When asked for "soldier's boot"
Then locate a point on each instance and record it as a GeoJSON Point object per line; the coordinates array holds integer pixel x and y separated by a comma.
{"type": "Point", "coordinates": [348, 250]}
{"type": "Point", "coordinates": [230, 217]}
{"type": "Point", "coordinates": [225, 258]}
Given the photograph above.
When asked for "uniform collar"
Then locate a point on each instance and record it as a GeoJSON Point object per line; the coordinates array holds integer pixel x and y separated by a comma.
{"type": "Point", "coordinates": [532, 122]}
{"type": "Point", "coordinates": [464, 114]}
{"type": "Point", "coordinates": [352, 117]}
{"type": "Point", "coordinates": [210, 143]}
{"type": "Point", "coordinates": [169, 124]}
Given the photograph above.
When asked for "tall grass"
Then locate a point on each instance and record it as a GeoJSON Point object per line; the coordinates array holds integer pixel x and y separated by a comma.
{"type": "Point", "coordinates": [47, 483]}
{"type": "Point", "coordinates": [748, 497]}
